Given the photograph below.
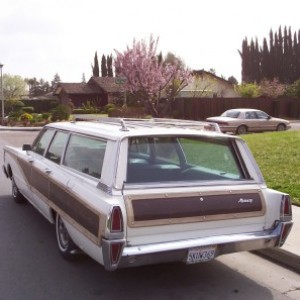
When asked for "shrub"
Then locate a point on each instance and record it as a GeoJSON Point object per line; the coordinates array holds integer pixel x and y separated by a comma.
{"type": "Point", "coordinates": [28, 109]}
{"type": "Point", "coordinates": [248, 90]}
{"type": "Point", "coordinates": [109, 107]}
{"type": "Point", "coordinates": [46, 116]}
{"type": "Point", "coordinates": [26, 117]}
{"type": "Point", "coordinates": [61, 112]}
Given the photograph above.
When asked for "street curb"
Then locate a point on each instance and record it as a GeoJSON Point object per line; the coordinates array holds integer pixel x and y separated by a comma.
{"type": "Point", "coordinates": [281, 256]}
{"type": "Point", "coordinates": [8, 128]}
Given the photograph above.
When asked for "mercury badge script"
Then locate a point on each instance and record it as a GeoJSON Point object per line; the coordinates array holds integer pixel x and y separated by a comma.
{"type": "Point", "coordinates": [245, 200]}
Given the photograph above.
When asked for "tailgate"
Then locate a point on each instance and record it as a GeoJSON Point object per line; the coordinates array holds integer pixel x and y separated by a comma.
{"type": "Point", "coordinates": [178, 214]}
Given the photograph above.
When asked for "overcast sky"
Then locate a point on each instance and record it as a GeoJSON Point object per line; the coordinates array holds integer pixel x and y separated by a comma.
{"type": "Point", "coordinates": [40, 38]}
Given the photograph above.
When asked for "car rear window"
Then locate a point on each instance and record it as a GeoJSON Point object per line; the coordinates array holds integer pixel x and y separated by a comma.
{"type": "Point", "coordinates": [231, 114]}
{"type": "Point", "coordinates": [156, 159]}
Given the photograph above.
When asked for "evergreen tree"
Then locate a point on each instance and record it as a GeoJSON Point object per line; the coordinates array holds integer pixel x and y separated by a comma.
{"type": "Point", "coordinates": [95, 68]}
{"type": "Point", "coordinates": [103, 66]}
{"type": "Point", "coordinates": [280, 59]}
{"type": "Point", "coordinates": [110, 66]}
{"type": "Point", "coordinates": [83, 78]}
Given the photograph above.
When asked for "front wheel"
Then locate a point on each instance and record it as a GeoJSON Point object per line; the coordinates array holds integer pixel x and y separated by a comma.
{"type": "Point", "coordinates": [241, 130]}
{"type": "Point", "coordinates": [280, 127]}
{"type": "Point", "coordinates": [66, 246]}
{"type": "Point", "coordinates": [17, 196]}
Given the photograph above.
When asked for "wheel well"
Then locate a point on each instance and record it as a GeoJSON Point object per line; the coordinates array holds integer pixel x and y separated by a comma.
{"type": "Point", "coordinates": [243, 125]}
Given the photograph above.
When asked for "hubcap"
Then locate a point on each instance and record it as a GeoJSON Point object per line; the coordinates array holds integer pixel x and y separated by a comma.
{"type": "Point", "coordinates": [63, 235]}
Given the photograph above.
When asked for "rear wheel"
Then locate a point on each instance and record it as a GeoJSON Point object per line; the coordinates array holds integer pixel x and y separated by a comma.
{"type": "Point", "coordinates": [241, 130]}
{"type": "Point", "coordinates": [66, 246]}
{"type": "Point", "coordinates": [17, 196]}
{"type": "Point", "coordinates": [280, 127]}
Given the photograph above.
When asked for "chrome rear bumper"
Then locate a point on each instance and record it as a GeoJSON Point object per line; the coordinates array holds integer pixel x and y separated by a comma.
{"type": "Point", "coordinates": [177, 250]}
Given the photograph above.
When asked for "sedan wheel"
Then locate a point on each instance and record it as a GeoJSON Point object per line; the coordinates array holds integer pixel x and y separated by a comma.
{"type": "Point", "coordinates": [17, 196]}
{"type": "Point", "coordinates": [241, 130]}
{"type": "Point", "coordinates": [66, 246]}
{"type": "Point", "coordinates": [280, 127]}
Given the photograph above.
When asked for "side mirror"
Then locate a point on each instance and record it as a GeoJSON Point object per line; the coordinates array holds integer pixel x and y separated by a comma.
{"type": "Point", "coordinates": [26, 147]}
{"type": "Point", "coordinates": [269, 117]}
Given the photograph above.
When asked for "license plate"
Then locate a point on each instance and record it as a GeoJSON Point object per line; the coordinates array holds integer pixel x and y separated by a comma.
{"type": "Point", "coordinates": [200, 254]}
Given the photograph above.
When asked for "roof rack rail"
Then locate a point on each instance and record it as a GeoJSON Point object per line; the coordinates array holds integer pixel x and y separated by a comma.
{"type": "Point", "coordinates": [125, 123]}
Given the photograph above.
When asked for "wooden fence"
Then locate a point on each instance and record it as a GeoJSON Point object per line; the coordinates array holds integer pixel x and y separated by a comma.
{"type": "Point", "coordinates": [202, 108]}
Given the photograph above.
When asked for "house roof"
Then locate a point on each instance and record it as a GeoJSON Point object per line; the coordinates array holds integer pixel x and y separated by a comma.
{"type": "Point", "coordinates": [108, 84]}
{"type": "Point", "coordinates": [205, 73]}
{"type": "Point", "coordinates": [74, 88]}
{"type": "Point", "coordinates": [94, 85]}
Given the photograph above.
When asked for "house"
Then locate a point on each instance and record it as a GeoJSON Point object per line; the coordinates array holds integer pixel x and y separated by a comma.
{"type": "Point", "coordinates": [206, 84]}
{"type": "Point", "coordinates": [99, 90]}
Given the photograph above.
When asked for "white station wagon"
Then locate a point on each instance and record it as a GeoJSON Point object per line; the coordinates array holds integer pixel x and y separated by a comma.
{"type": "Point", "coordinates": [131, 192]}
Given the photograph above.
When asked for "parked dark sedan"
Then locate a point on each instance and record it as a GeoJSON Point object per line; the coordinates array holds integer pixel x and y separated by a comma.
{"type": "Point", "coordinates": [242, 120]}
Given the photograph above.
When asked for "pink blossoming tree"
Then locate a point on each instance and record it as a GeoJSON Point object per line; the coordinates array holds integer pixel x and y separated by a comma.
{"type": "Point", "coordinates": [155, 82]}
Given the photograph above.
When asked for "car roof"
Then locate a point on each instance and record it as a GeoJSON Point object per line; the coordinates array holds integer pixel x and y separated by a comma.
{"type": "Point", "coordinates": [243, 109]}
{"type": "Point", "coordinates": [118, 128]}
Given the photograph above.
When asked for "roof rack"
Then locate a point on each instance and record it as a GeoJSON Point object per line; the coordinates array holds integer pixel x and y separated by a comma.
{"type": "Point", "coordinates": [126, 123]}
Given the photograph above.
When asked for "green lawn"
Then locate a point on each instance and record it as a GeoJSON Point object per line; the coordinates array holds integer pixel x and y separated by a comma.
{"type": "Point", "coordinates": [278, 156]}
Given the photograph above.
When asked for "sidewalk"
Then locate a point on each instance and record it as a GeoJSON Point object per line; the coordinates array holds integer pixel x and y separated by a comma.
{"type": "Point", "coordinates": [289, 253]}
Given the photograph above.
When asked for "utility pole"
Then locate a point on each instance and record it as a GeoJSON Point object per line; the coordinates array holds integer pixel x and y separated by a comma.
{"type": "Point", "coordinates": [1, 93]}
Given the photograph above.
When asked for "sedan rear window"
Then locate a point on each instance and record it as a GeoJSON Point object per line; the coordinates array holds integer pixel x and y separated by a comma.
{"type": "Point", "coordinates": [231, 114]}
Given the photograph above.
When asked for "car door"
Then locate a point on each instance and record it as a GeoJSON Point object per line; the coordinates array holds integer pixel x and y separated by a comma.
{"type": "Point", "coordinates": [251, 121]}
{"type": "Point", "coordinates": [265, 122]}
{"type": "Point", "coordinates": [44, 168]}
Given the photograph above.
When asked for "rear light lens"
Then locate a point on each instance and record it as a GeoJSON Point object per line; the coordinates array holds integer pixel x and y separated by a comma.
{"type": "Point", "coordinates": [286, 228]}
{"type": "Point", "coordinates": [116, 224]}
{"type": "Point", "coordinates": [115, 252]}
{"type": "Point", "coordinates": [286, 208]}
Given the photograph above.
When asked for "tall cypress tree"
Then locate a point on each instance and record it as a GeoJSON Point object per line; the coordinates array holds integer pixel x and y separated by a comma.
{"type": "Point", "coordinates": [109, 66]}
{"type": "Point", "coordinates": [95, 68]}
{"type": "Point", "coordinates": [280, 60]}
{"type": "Point", "coordinates": [103, 67]}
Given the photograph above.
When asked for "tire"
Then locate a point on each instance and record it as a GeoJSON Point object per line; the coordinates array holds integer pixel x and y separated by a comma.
{"type": "Point", "coordinates": [281, 127]}
{"type": "Point", "coordinates": [66, 246]}
{"type": "Point", "coordinates": [17, 196]}
{"type": "Point", "coordinates": [242, 129]}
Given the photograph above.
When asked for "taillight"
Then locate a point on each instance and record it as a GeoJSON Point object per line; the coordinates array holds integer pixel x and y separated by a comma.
{"type": "Point", "coordinates": [286, 208]}
{"type": "Point", "coordinates": [116, 224]}
{"type": "Point", "coordinates": [286, 228]}
{"type": "Point", "coordinates": [222, 123]}
{"type": "Point", "coordinates": [115, 252]}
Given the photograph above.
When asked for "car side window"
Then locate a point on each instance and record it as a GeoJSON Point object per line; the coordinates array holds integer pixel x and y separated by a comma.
{"type": "Point", "coordinates": [262, 115]}
{"type": "Point", "coordinates": [42, 141]}
{"type": "Point", "coordinates": [55, 151]}
{"type": "Point", "coordinates": [251, 115]}
{"type": "Point", "coordinates": [85, 154]}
